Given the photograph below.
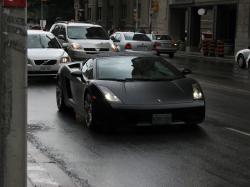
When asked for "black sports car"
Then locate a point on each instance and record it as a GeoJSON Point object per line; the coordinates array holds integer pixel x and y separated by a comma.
{"type": "Point", "coordinates": [129, 89]}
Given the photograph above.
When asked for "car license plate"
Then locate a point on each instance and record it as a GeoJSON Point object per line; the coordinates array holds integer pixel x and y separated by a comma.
{"type": "Point", "coordinates": [142, 46]}
{"type": "Point", "coordinates": [161, 119]}
{"type": "Point", "coordinates": [166, 45]}
{"type": "Point", "coordinates": [45, 68]}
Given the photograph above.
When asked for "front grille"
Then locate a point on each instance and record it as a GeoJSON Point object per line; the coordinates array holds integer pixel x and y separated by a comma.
{"type": "Point", "coordinates": [45, 62]}
{"type": "Point", "coordinates": [189, 114]}
{"type": "Point", "coordinates": [89, 49]}
{"type": "Point", "coordinates": [96, 50]}
{"type": "Point", "coordinates": [104, 49]}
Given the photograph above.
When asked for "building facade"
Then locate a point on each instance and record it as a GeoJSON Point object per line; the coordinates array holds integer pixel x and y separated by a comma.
{"type": "Point", "coordinates": [126, 14]}
{"type": "Point", "coordinates": [184, 20]}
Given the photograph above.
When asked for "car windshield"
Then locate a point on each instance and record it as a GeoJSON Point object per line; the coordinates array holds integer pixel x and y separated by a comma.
{"type": "Point", "coordinates": [161, 37]}
{"type": "Point", "coordinates": [81, 32]}
{"type": "Point", "coordinates": [136, 68]}
{"type": "Point", "coordinates": [42, 41]}
{"type": "Point", "coordinates": [136, 37]}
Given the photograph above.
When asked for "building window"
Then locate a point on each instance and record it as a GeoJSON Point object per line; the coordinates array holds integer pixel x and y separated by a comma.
{"type": "Point", "coordinates": [99, 13]}
{"type": "Point", "coordinates": [89, 13]}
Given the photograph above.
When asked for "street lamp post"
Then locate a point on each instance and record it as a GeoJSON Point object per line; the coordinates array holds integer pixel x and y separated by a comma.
{"type": "Point", "coordinates": [42, 9]}
{"type": "Point", "coordinates": [136, 20]}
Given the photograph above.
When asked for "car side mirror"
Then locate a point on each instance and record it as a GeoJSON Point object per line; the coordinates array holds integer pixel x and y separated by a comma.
{"type": "Point", "coordinates": [77, 73]}
{"type": "Point", "coordinates": [114, 39]}
{"type": "Point", "coordinates": [61, 37]}
{"type": "Point", "coordinates": [65, 45]}
{"type": "Point", "coordinates": [186, 71]}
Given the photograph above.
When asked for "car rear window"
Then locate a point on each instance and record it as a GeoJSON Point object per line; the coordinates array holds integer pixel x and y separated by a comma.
{"type": "Point", "coordinates": [161, 37]}
{"type": "Point", "coordinates": [136, 37]}
{"type": "Point", "coordinates": [82, 32]}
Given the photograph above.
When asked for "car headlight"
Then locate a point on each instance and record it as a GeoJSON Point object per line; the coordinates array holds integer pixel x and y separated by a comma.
{"type": "Point", "coordinates": [75, 46]}
{"type": "Point", "coordinates": [197, 93]}
{"type": "Point", "coordinates": [109, 95]}
{"type": "Point", "coordinates": [65, 60]}
{"type": "Point", "coordinates": [114, 48]}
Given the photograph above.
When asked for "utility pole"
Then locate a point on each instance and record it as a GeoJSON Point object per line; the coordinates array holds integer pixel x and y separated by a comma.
{"type": "Point", "coordinates": [13, 85]}
{"type": "Point", "coordinates": [76, 7]}
{"type": "Point", "coordinates": [150, 16]}
{"type": "Point", "coordinates": [136, 20]}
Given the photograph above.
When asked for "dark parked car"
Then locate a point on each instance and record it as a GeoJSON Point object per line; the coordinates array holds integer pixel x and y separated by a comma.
{"type": "Point", "coordinates": [163, 44]}
{"type": "Point", "coordinates": [129, 89]}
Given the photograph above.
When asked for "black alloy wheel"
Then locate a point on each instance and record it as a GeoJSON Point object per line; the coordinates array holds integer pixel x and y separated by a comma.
{"type": "Point", "coordinates": [89, 112]}
{"type": "Point", "coordinates": [241, 61]}
{"type": "Point", "coordinates": [60, 97]}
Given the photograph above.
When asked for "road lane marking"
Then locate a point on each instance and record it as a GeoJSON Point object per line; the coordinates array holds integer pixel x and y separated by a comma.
{"type": "Point", "coordinates": [238, 131]}
{"type": "Point", "coordinates": [226, 88]}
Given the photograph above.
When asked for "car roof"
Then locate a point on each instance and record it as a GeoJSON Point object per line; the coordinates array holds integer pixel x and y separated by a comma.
{"type": "Point", "coordinates": [119, 54]}
{"type": "Point", "coordinates": [129, 32]}
{"type": "Point", "coordinates": [38, 32]}
{"type": "Point", "coordinates": [77, 24]}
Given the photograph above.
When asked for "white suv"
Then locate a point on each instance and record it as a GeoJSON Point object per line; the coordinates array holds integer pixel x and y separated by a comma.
{"type": "Point", "coordinates": [80, 39]}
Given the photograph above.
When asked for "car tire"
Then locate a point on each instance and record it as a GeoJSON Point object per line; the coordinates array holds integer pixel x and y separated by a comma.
{"type": "Point", "coordinates": [89, 114]}
{"type": "Point", "coordinates": [241, 61]}
{"type": "Point", "coordinates": [171, 55]}
{"type": "Point", "coordinates": [60, 97]}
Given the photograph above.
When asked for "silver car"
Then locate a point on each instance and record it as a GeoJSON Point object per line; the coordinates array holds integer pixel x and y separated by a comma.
{"type": "Point", "coordinates": [44, 53]}
{"type": "Point", "coordinates": [242, 58]}
{"type": "Point", "coordinates": [131, 41]}
{"type": "Point", "coordinates": [80, 39]}
{"type": "Point", "coordinates": [163, 43]}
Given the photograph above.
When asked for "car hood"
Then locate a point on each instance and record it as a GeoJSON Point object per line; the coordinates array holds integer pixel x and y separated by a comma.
{"type": "Point", "coordinates": [152, 92]}
{"type": "Point", "coordinates": [93, 43]}
{"type": "Point", "coordinates": [47, 53]}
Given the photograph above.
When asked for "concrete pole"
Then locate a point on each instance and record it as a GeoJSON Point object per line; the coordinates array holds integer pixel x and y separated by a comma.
{"type": "Point", "coordinates": [137, 13]}
{"type": "Point", "coordinates": [76, 7]}
{"type": "Point", "coordinates": [13, 110]}
{"type": "Point", "coordinates": [150, 13]}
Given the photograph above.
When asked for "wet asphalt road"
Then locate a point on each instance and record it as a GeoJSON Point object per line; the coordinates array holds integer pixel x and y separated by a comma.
{"type": "Point", "coordinates": [216, 153]}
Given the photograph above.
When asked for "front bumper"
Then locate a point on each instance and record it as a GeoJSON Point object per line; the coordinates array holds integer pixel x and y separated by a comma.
{"type": "Point", "coordinates": [186, 113]}
{"type": "Point", "coordinates": [42, 70]}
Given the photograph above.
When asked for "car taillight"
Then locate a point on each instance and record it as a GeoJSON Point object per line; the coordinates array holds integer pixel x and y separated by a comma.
{"type": "Point", "coordinates": [128, 46]}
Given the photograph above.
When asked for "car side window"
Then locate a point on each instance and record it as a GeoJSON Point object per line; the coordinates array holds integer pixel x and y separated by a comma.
{"type": "Point", "coordinates": [88, 68]}
{"type": "Point", "coordinates": [55, 31]}
{"type": "Point", "coordinates": [118, 36]}
{"type": "Point", "coordinates": [64, 31]}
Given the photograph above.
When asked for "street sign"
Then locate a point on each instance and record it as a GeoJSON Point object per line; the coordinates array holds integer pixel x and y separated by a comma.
{"type": "Point", "coordinates": [14, 3]}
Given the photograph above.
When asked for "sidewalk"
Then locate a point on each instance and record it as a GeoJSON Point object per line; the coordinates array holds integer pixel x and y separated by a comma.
{"type": "Point", "coordinates": [42, 172]}
{"type": "Point", "coordinates": [198, 55]}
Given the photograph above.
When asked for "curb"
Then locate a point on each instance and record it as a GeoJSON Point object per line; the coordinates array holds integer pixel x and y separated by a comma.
{"type": "Point", "coordinates": [41, 171]}
{"type": "Point", "coordinates": [226, 59]}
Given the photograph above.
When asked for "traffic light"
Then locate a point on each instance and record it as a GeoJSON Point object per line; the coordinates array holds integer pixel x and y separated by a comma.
{"type": "Point", "coordinates": [155, 5]}
{"type": "Point", "coordinates": [135, 14]}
